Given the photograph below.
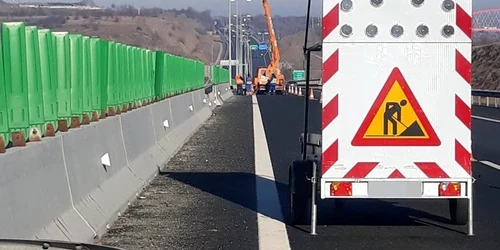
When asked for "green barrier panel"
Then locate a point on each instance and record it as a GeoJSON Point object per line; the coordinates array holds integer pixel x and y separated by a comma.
{"type": "Point", "coordinates": [128, 77]}
{"type": "Point", "coordinates": [63, 73]}
{"type": "Point", "coordinates": [75, 42]}
{"type": "Point", "coordinates": [102, 74]}
{"type": "Point", "coordinates": [152, 65]}
{"type": "Point", "coordinates": [143, 76]}
{"type": "Point", "coordinates": [135, 76]}
{"type": "Point", "coordinates": [4, 125]}
{"type": "Point", "coordinates": [93, 80]}
{"type": "Point", "coordinates": [35, 93]}
{"type": "Point", "coordinates": [16, 85]}
{"type": "Point", "coordinates": [47, 80]}
{"type": "Point", "coordinates": [121, 78]}
{"type": "Point", "coordinates": [124, 77]}
{"type": "Point", "coordinates": [86, 81]}
{"type": "Point", "coordinates": [112, 80]}
{"type": "Point", "coordinates": [159, 74]}
{"type": "Point", "coordinates": [167, 83]}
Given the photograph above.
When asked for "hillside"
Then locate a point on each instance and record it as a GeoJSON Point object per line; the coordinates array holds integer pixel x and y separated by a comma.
{"type": "Point", "coordinates": [485, 60]}
{"type": "Point", "coordinates": [292, 55]}
{"type": "Point", "coordinates": [170, 31]}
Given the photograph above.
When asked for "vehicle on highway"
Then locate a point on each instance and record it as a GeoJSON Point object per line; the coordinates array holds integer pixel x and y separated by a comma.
{"type": "Point", "coordinates": [396, 115]}
{"type": "Point", "coordinates": [266, 73]}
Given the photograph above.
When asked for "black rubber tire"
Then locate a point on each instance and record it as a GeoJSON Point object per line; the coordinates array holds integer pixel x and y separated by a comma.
{"type": "Point", "coordinates": [459, 211]}
{"type": "Point", "coordinates": [299, 188]}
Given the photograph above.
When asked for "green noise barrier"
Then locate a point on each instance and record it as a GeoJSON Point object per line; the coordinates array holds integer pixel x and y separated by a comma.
{"type": "Point", "coordinates": [55, 81]}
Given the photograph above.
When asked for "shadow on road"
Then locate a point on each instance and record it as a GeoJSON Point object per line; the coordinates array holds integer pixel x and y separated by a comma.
{"type": "Point", "coordinates": [239, 188]}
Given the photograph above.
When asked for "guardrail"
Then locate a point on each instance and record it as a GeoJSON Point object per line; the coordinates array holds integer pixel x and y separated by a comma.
{"type": "Point", "coordinates": [489, 98]}
{"type": "Point", "coordinates": [300, 83]}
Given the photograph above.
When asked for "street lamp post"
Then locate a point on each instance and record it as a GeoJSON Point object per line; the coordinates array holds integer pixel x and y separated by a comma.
{"type": "Point", "coordinates": [230, 44]}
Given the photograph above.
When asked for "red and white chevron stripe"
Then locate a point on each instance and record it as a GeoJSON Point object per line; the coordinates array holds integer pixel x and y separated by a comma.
{"type": "Point", "coordinates": [336, 123]}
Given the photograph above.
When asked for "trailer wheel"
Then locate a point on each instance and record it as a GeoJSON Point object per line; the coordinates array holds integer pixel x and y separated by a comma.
{"type": "Point", "coordinates": [300, 192]}
{"type": "Point", "coordinates": [459, 211]}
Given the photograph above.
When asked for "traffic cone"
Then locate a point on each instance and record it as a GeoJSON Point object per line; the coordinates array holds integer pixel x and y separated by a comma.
{"type": "Point", "coordinates": [300, 91]}
{"type": "Point", "coordinates": [294, 90]}
{"type": "Point", "coordinates": [311, 94]}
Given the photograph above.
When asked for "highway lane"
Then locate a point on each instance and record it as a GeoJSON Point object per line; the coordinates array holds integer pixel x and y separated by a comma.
{"type": "Point", "coordinates": [381, 224]}
{"type": "Point", "coordinates": [206, 197]}
{"type": "Point", "coordinates": [209, 197]}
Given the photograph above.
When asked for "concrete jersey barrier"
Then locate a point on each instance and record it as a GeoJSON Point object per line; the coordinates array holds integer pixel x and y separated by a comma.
{"type": "Point", "coordinates": [58, 189]}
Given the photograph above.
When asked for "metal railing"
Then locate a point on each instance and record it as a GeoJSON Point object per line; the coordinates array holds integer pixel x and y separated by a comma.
{"type": "Point", "coordinates": [489, 98]}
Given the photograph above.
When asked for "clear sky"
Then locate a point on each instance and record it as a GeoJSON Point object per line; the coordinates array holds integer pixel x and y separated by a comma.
{"type": "Point", "coordinates": [220, 7]}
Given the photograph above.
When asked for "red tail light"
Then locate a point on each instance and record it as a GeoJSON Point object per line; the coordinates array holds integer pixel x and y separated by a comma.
{"type": "Point", "coordinates": [449, 189]}
{"type": "Point", "coordinates": [341, 189]}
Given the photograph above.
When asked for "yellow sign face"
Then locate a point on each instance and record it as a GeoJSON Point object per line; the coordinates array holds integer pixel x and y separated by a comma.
{"type": "Point", "coordinates": [396, 118]}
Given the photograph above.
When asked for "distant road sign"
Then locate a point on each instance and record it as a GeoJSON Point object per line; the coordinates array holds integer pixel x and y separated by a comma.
{"type": "Point", "coordinates": [226, 62]}
{"type": "Point", "coordinates": [254, 47]}
{"type": "Point", "coordinates": [299, 75]}
{"type": "Point", "coordinates": [262, 46]}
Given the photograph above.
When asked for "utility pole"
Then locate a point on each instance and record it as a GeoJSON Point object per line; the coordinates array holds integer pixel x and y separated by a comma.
{"type": "Point", "coordinates": [230, 43]}
{"type": "Point", "coordinates": [237, 26]}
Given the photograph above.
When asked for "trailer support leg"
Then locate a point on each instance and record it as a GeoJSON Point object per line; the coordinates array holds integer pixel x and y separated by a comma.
{"type": "Point", "coordinates": [313, 199]}
{"type": "Point", "coordinates": [471, 210]}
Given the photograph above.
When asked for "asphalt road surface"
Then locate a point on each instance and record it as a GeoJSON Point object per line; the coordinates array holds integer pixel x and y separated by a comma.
{"type": "Point", "coordinates": [226, 189]}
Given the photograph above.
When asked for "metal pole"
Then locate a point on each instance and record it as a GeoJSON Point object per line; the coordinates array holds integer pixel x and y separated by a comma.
{"type": "Point", "coordinates": [241, 52]}
{"type": "Point", "coordinates": [306, 105]}
{"type": "Point", "coordinates": [237, 26]}
{"type": "Point", "coordinates": [230, 46]}
{"type": "Point", "coordinates": [314, 215]}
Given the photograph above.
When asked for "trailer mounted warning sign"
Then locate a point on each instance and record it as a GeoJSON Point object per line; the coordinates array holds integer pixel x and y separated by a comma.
{"type": "Point", "coordinates": [396, 118]}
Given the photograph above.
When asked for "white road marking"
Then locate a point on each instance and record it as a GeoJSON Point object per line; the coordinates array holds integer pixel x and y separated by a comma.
{"type": "Point", "coordinates": [491, 164]}
{"type": "Point", "coordinates": [487, 163]}
{"type": "Point", "coordinates": [272, 230]}
{"type": "Point", "coordinates": [485, 119]}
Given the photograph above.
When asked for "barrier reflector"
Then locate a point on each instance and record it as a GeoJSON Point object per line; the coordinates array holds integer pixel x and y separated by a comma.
{"type": "Point", "coordinates": [86, 82]}
{"type": "Point", "coordinates": [75, 41]}
{"type": "Point", "coordinates": [48, 80]}
{"type": "Point", "coordinates": [4, 125]}
{"type": "Point", "coordinates": [14, 48]}
{"type": "Point", "coordinates": [63, 89]}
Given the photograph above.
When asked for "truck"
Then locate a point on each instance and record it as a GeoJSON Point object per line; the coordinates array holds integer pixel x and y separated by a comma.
{"type": "Point", "coordinates": [264, 73]}
{"type": "Point", "coordinates": [396, 110]}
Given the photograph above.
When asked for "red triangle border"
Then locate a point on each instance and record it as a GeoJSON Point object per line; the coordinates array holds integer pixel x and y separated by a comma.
{"type": "Point", "coordinates": [358, 139]}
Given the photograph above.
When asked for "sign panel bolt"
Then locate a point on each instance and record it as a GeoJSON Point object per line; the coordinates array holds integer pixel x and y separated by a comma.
{"type": "Point", "coordinates": [417, 3]}
{"type": "Point", "coordinates": [448, 30]}
{"type": "Point", "coordinates": [346, 5]}
{"type": "Point", "coordinates": [371, 30]}
{"type": "Point", "coordinates": [397, 30]}
{"type": "Point", "coordinates": [377, 3]}
{"type": "Point", "coordinates": [346, 30]}
{"type": "Point", "coordinates": [422, 30]}
{"type": "Point", "coordinates": [448, 5]}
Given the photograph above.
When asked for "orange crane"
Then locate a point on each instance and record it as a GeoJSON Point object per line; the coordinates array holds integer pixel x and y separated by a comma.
{"type": "Point", "coordinates": [264, 73]}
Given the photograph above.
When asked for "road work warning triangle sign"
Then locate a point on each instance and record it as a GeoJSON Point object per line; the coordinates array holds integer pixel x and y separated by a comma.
{"type": "Point", "coordinates": [396, 118]}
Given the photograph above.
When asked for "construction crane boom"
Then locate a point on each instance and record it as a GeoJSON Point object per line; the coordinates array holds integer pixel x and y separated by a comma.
{"type": "Point", "coordinates": [275, 56]}
{"type": "Point", "coordinates": [264, 73]}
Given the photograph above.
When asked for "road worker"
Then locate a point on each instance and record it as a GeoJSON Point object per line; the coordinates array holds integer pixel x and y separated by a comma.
{"type": "Point", "coordinates": [248, 86]}
{"type": "Point", "coordinates": [255, 84]}
{"type": "Point", "coordinates": [239, 84]}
